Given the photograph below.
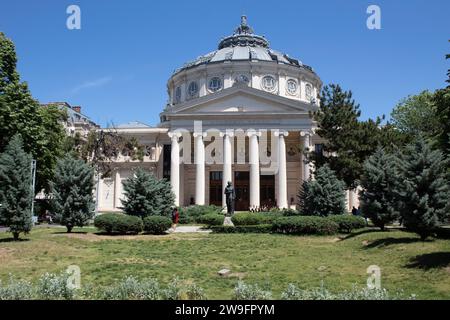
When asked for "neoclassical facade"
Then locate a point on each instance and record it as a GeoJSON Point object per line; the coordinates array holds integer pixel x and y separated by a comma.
{"type": "Point", "coordinates": [241, 113]}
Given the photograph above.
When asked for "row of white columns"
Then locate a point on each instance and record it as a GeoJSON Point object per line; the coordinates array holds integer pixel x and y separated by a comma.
{"type": "Point", "coordinates": [282, 198]}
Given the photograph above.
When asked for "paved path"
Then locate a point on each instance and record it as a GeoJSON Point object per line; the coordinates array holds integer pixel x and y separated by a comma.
{"type": "Point", "coordinates": [191, 229]}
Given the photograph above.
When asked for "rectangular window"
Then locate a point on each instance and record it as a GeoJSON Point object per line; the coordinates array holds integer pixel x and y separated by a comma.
{"type": "Point", "coordinates": [318, 148]}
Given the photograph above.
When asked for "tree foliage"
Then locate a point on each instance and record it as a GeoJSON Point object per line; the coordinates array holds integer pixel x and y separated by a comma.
{"type": "Point", "coordinates": [423, 190]}
{"type": "Point", "coordinates": [15, 188]}
{"type": "Point", "coordinates": [145, 195]}
{"type": "Point", "coordinates": [103, 147]}
{"type": "Point", "coordinates": [72, 192]}
{"type": "Point", "coordinates": [378, 201]}
{"type": "Point", "coordinates": [40, 127]}
{"type": "Point", "coordinates": [322, 196]}
{"type": "Point", "coordinates": [348, 141]}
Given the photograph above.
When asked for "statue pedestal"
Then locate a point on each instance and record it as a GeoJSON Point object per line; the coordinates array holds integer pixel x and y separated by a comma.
{"type": "Point", "coordinates": [228, 222]}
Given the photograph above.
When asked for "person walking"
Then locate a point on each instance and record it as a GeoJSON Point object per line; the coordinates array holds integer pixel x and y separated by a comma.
{"type": "Point", "coordinates": [175, 218]}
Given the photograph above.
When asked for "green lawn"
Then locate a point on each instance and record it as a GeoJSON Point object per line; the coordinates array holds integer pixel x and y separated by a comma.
{"type": "Point", "coordinates": [422, 268]}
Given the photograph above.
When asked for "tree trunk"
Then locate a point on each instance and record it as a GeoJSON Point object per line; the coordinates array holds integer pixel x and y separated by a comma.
{"type": "Point", "coordinates": [69, 229]}
{"type": "Point", "coordinates": [16, 236]}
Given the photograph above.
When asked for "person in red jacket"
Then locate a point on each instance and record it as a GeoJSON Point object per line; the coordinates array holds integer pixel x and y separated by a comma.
{"type": "Point", "coordinates": [175, 218]}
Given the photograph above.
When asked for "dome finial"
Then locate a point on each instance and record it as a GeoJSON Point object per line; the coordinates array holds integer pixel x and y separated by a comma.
{"type": "Point", "coordinates": [243, 28]}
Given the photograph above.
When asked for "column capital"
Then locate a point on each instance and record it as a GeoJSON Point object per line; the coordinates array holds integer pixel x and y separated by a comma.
{"type": "Point", "coordinates": [228, 133]}
{"type": "Point", "coordinates": [305, 133]}
{"type": "Point", "coordinates": [253, 132]}
{"type": "Point", "coordinates": [280, 133]}
{"type": "Point", "coordinates": [200, 134]}
{"type": "Point", "coordinates": [174, 135]}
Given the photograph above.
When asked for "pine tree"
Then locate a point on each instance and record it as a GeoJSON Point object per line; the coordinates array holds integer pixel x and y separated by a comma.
{"type": "Point", "coordinates": [324, 195]}
{"type": "Point", "coordinates": [146, 195]}
{"type": "Point", "coordinates": [423, 189]}
{"type": "Point", "coordinates": [378, 201]}
{"type": "Point", "coordinates": [15, 188]}
{"type": "Point", "coordinates": [72, 196]}
{"type": "Point", "coordinates": [348, 142]}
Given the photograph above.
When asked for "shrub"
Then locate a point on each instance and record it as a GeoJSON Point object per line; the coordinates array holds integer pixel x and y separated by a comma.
{"type": "Point", "coordinates": [156, 224]}
{"type": "Point", "coordinates": [146, 195]}
{"type": "Point", "coordinates": [305, 225]}
{"type": "Point", "coordinates": [243, 291]}
{"type": "Point", "coordinates": [254, 218]}
{"type": "Point", "coordinates": [54, 287]}
{"type": "Point", "coordinates": [199, 210]}
{"type": "Point", "coordinates": [323, 195]}
{"type": "Point", "coordinates": [260, 228]}
{"type": "Point", "coordinates": [16, 290]}
{"type": "Point", "coordinates": [295, 293]}
{"type": "Point", "coordinates": [117, 223]}
{"type": "Point", "coordinates": [211, 219]}
{"type": "Point", "coordinates": [347, 222]}
{"type": "Point", "coordinates": [131, 288]}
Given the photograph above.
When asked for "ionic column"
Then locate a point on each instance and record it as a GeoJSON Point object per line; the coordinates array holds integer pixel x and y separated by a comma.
{"type": "Point", "coordinates": [254, 168]}
{"type": "Point", "coordinates": [227, 156]}
{"type": "Point", "coordinates": [282, 200]}
{"type": "Point", "coordinates": [175, 166]}
{"type": "Point", "coordinates": [306, 143]}
{"type": "Point", "coordinates": [117, 185]}
{"type": "Point", "coordinates": [200, 168]}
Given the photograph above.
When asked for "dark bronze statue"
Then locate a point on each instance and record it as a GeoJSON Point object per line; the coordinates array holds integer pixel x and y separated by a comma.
{"type": "Point", "coordinates": [230, 196]}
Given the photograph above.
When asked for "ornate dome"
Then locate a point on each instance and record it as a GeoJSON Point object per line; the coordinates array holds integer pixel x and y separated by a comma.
{"type": "Point", "coordinates": [244, 45]}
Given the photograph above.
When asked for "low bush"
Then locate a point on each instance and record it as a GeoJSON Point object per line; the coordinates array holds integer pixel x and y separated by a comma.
{"type": "Point", "coordinates": [287, 212]}
{"type": "Point", "coordinates": [347, 222]}
{"type": "Point", "coordinates": [305, 225]}
{"type": "Point", "coordinates": [211, 219]}
{"type": "Point", "coordinates": [260, 228]}
{"type": "Point", "coordinates": [117, 223]}
{"type": "Point", "coordinates": [243, 291]}
{"type": "Point", "coordinates": [156, 224]}
{"type": "Point", "coordinates": [254, 218]}
{"type": "Point", "coordinates": [199, 210]}
{"type": "Point", "coordinates": [293, 292]}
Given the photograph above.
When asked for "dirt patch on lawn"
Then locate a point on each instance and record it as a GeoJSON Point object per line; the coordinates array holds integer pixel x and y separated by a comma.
{"type": "Point", "coordinates": [6, 252]}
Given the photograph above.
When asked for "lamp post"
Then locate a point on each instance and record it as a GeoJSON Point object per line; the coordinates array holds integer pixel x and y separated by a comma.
{"type": "Point", "coordinates": [33, 184]}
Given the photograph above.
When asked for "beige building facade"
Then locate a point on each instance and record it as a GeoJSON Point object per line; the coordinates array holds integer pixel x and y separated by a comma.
{"type": "Point", "coordinates": [241, 113]}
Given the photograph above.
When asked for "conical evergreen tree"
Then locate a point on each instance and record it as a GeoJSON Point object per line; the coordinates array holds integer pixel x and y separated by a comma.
{"type": "Point", "coordinates": [146, 195]}
{"type": "Point", "coordinates": [324, 195]}
{"type": "Point", "coordinates": [15, 188]}
{"type": "Point", "coordinates": [378, 201]}
{"type": "Point", "coordinates": [423, 189]}
{"type": "Point", "coordinates": [72, 196]}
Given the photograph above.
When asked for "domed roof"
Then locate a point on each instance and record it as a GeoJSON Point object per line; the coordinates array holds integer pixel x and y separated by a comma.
{"type": "Point", "coordinates": [244, 45]}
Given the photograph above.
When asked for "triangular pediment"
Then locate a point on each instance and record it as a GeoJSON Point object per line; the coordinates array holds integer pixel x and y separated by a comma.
{"type": "Point", "coordinates": [246, 99]}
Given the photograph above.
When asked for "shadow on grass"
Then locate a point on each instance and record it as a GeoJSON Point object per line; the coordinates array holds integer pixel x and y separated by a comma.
{"type": "Point", "coordinates": [360, 232]}
{"type": "Point", "coordinates": [73, 232]}
{"type": "Point", "coordinates": [391, 241]}
{"type": "Point", "coordinates": [430, 261]}
{"type": "Point", "coordinates": [12, 240]}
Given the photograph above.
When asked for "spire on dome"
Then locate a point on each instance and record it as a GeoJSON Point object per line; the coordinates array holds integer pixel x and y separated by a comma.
{"type": "Point", "coordinates": [244, 27]}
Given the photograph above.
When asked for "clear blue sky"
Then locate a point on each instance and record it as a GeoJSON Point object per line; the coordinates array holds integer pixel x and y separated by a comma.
{"type": "Point", "coordinates": [117, 65]}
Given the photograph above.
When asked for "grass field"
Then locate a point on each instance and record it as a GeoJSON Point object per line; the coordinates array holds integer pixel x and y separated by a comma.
{"type": "Point", "coordinates": [421, 268]}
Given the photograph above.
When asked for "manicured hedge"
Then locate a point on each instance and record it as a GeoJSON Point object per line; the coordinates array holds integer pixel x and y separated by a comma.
{"type": "Point", "coordinates": [254, 218]}
{"type": "Point", "coordinates": [118, 223]}
{"type": "Point", "coordinates": [193, 213]}
{"type": "Point", "coordinates": [260, 228]}
{"type": "Point", "coordinates": [211, 219]}
{"type": "Point", "coordinates": [305, 225]}
{"type": "Point", "coordinates": [347, 222]}
{"type": "Point", "coordinates": [157, 224]}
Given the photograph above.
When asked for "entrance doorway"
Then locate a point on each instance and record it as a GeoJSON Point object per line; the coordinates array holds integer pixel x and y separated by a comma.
{"type": "Point", "coordinates": [241, 185]}
{"type": "Point", "coordinates": [267, 191]}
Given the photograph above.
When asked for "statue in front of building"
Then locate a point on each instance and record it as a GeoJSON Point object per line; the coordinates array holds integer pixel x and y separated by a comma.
{"type": "Point", "coordinates": [230, 196]}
